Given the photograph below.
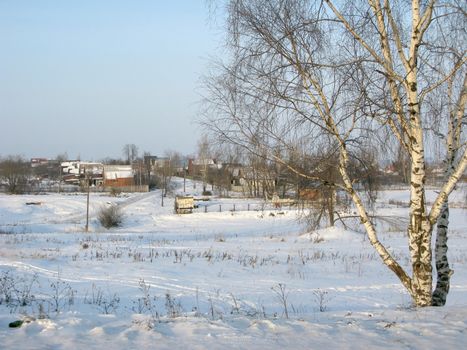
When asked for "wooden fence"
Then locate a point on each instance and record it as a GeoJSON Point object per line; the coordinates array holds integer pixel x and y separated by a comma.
{"type": "Point", "coordinates": [207, 207]}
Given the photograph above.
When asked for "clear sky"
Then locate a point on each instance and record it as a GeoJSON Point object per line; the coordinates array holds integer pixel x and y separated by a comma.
{"type": "Point", "coordinates": [89, 76]}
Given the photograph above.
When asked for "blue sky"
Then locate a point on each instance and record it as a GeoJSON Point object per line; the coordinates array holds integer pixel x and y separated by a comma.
{"type": "Point", "coordinates": [88, 76]}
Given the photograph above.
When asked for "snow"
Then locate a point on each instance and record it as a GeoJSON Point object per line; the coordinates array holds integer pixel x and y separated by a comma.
{"type": "Point", "coordinates": [113, 172]}
{"type": "Point", "coordinates": [213, 279]}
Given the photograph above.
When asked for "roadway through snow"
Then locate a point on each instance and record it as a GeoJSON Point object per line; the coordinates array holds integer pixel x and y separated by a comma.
{"type": "Point", "coordinates": [77, 218]}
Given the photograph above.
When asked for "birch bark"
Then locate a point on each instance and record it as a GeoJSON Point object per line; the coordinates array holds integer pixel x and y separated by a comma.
{"type": "Point", "coordinates": [453, 144]}
{"type": "Point", "coordinates": [390, 62]}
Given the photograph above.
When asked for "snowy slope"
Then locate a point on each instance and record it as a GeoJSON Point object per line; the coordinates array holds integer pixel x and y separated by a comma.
{"type": "Point", "coordinates": [212, 279]}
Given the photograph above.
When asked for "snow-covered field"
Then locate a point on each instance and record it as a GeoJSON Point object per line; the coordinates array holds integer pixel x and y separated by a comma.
{"type": "Point", "coordinates": [213, 280]}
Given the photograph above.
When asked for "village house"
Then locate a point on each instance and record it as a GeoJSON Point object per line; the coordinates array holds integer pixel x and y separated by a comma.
{"type": "Point", "coordinates": [118, 176]}
{"type": "Point", "coordinates": [75, 172]}
{"type": "Point", "coordinates": [99, 175]}
{"type": "Point", "coordinates": [197, 167]}
{"type": "Point", "coordinates": [249, 181]}
{"type": "Point", "coordinates": [37, 162]}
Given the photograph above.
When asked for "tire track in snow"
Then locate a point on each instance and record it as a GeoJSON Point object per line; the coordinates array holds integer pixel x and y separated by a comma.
{"type": "Point", "coordinates": [130, 282]}
{"type": "Point", "coordinates": [24, 267]}
{"type": "Point", "coordinates": [76, 218]}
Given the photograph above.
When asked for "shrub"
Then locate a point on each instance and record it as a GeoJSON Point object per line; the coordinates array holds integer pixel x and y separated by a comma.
{"type": "Point", "coordinates": [110, 216]}
{"type": "Point", "coordinates": [115, 192]}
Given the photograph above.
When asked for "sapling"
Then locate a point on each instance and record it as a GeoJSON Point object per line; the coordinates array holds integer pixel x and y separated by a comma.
{"type": "Point", "coordinates": [322, 299]}
{"type": "Point", "coordinates": [173, 307]}
{"type": "Point", "coordinates": [282, 297]}
{"type": "Point", "coordinates": [62, 294]}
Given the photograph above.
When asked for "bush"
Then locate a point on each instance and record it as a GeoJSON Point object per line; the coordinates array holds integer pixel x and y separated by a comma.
{"type": "Point", "coordinates": [110, 216]}
{"type": "Point", "coordinates": [115, 192]}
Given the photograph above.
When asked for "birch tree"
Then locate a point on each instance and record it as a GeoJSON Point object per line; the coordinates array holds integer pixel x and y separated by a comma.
{"type": "Point", "coordinates": [454, 144]}
{"type": "Point", "coordinates": [303, 71]}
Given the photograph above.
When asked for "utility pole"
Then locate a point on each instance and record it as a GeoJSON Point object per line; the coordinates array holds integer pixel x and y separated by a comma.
{"type": "Point", "coordinates": [87, 200]}
{"type": "Point", "coordinates": [59, 176]}
{"type": "Point", "coordinates": [163, 188]}
{"type": "Point", "coordinates": [140, 170]}
{"type": "Point", "coordinates": [184, 178]}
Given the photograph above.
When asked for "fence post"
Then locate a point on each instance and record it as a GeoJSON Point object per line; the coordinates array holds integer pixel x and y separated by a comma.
{"type": "Point", "coordinates": [248, 206]}
{"type": "Point", "coordinates": [220, 208]}
{"type": "Point", "coordinates": [234, 207]}
{"type": "Point", "coordinates": [205, 208]}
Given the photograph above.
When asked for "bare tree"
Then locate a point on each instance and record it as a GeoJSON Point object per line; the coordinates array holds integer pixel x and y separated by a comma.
{"type": "Point", "coordinates": [232, 160]}
{"type": "Point", "coordinates": [204, 155]}
{"type": "Point", "coordinates": [15, 171]}
{"type": "Point", "coordinates": [147, 168]}
{"type": "Point", "coordinates": [176, 160]}
{"type": "Point", "coordinates": [164, 168]}
{"type": "Point", "coordinates": [402, 165]}
{"type": "Point", "coordinates": [309, 71]}
{"type": "Point", "coordinates": [130, 152]}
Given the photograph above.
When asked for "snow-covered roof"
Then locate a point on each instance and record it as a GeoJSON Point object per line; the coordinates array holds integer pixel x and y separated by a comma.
{"type": "Point", "coordinates": [112, 172]}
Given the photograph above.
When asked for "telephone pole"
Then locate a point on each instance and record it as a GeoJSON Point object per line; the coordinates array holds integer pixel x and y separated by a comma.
{"type": "Point", "coordinates": [87, 200]}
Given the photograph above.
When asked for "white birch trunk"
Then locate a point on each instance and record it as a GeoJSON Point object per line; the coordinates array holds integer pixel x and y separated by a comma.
{"type": "Point", "coordinates": [443, 270]}
{"type": "Point", "coordinates": [420, 228]}
{"type": "Point", "coordinates": [388, 260]}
